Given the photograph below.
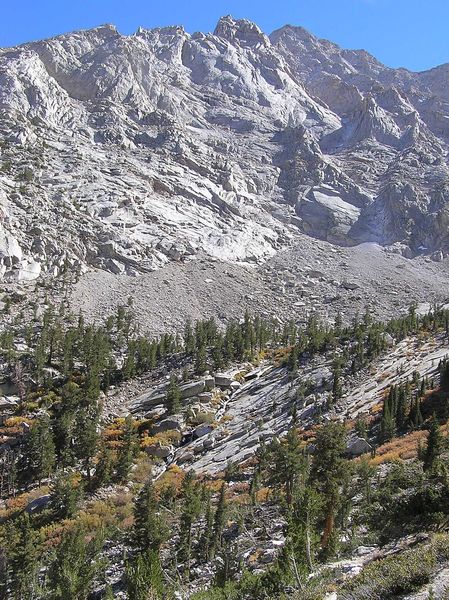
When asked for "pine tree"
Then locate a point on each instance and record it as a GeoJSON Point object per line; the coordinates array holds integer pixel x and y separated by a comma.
{"type": "Point", "coordinates": [38, 458]}
{"type": "Point", "coordinates": [173, 398]}
{"type": "Point", "coordinates": [189, 339]}
{"type": "Point", "coordinates": [444, 375]}
{"type": "Point", "coordinates": [286, 464]}
{"type": "Point", "coordinates": [75, 566]}
{"type": "Point", "coordinates": [387, 424]}
{"type": "Point", "coordinates": [104, 468]}
{"type": "Point", "coordinates": [293, 360]}
{"type": "Point", "coordinates": [66, 494]}
{"type": "Point", "coordinates": [86, 436]}
{"type": "Point", "coordinates": [191, 509]}
{"type": "Point", "coordinates": [207, 536]}
{"type": "Point", "coordinates": [219, 520]}
{"type": "Point", "coordinates": [200, 359]}
{"type": "Point", "coordinates": [144, 577]}
{"type": "Point", "coordinates": [402, 408]}
{"type": "Point", "coordinates": [338, 324]}
{"type": "Point", "coordinates": [150, 529]}
{"type": "Point", "coordinates": [302, 539]}
{"type": "Point", "coordinates": [23, 551]}
{"type": "Point", "coordinates": [254, 487]}
{"type": "Point", "coordinates": [434, 445]}
{"type": "Point", "coordinates": [337, 388]}
{"type": "Point", "coordinates": [217, 354]}
{"type": "Point", "coordinates": [328, 471]}
{"type": "Point", "coordinates": [127, 450]}
{"type": "Point", "coordinates": [415, 416]}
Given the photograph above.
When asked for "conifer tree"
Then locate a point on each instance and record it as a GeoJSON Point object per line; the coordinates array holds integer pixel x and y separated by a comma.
{"type": "Point", "coordinates": [402, 408]}
{"type": "Point", "coordinates": [337, 388]}
{"type": "Point", "coordinates": [387, 424]}
{"type": "Point", "coordinates": [286, 464]}
{"type": "Point", "coordinates": [173, 398]}
{"type": "Point", "coordinates": [191, 509]}
{"type": "Point", "coordinates": [219, 520]}
{"type": "Point", "coordinates": [189, 339]}
{"type": "Point", "coordinates": [434, 445]}
{"type": "Point", "coordinates": [150, 529]}
{"type": "Point", "coordinates": [127, 450]}
{"type": "Point", "coordinates": [144, 577]}
{"type": "Point", "coordinates": [302, 540]}
{"type": "Point", "coordinates": [200, 359]}
{"type": "Point", "coordinates": [66, 494]}
{"type": "Point", "coordinates": [328, 471]}
{"type": "Point", "coordinates": [415, 416]}
{"type": "Point", "coordinates": [23, 552]}
{"type": "Point", "coordinates": [293, 359]}
{"type": "Point", "coordinates": [207, 536]}
{"type": "Point", "coordinates": [104, 468]}
{"type": "Point", "coordinates": [75, 566]}
{"type": "Point", "coordinates": [86, 436]}
{"type": "Point", "coordinates": [38, 457]}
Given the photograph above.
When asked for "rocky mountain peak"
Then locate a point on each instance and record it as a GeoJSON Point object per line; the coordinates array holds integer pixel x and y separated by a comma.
{"type": "Point", "coordinates": [241, 31]}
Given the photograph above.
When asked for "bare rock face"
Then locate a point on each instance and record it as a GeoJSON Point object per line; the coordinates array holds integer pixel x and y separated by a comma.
{"type": "Point", "coordinates": [126, 152]}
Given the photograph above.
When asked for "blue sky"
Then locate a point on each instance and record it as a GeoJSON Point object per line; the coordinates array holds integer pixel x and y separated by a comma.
{"type": "Point", "coordinates": [409, 33]}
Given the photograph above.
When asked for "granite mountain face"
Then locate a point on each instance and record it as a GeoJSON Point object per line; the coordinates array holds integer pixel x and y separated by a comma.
{"type": "Point", "coordinates": [125, 152]}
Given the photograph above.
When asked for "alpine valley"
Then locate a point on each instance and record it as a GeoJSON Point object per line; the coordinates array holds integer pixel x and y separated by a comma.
{"type": "Point", "coordinates": [224, 308]}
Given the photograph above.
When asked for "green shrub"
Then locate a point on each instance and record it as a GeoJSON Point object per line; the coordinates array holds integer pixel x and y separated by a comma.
{"type": "Point", "coordinates": [396, 575]}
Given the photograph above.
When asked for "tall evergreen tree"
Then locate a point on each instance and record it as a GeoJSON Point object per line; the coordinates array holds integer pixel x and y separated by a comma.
{"type": "Point", "coordinates": [328, 472]}
{"type": "Point", "coordinates": [150, 529]}
{"type": "Point", "coordinates": [86, 436]}
{"type": "Point", "coordinates": [75, 566]}
{"type": "Point", "coordinates": [38, 457]}
{"type": "Point", "coordinates": [144, 577]}
{"type": "Point", "coordinates": [105, 467]}
{"type": "Point", "coordinates": [23, 553]}
{"type": "Point", "coordinates": [191, 509]}
{"type": "Point", "coordinates": [219, 520]}
{"type": "Point", "coordinates": [434, 445]}
{"type": "Point", "coordinates": [127, 450]}
{"type": "Point", "coordinates": [173, 398]}
{"type": "Point", "coordinates": [66, 494]}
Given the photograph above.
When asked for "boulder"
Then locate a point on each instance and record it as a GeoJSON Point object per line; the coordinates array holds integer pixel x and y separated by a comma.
{"type": "Point", "coordinates": [350, 285]}
{"type": "Point", "coordinates": [388, 339]}
{"type": "Point", "coordinates": [202, 430]}
{"type": "Point", "coordinates": [171, 424]}
{"type": "Point", "coordinates": [358, 446]}
{"type": "Point", "coordinates": [29, 270]}
{"type": "Point", "coordinates": [254, 374]}
{"type": "Point", "coordinates": [148, 400]}
{"type": "Point", "coordinates": [186, 457]}
{"type": "Point", "coordinates": [208, 444]}
{"type": "Point", "coordinates": [7, 403]}
{"type": "Point", "coordinates": [209, 383]}
{"type": "Point", "coordinates": [10, 250]}
{"type": "Point", "coordinates": [114, 266]}
{"type": "Point", "coordinates": [38, 504]}
{"type": "Point", "coordinates": [159, 451]}
{"type": "Point", "coordinates": [193, 388]}
{"type": "Point", "coordinates": [155, 413]}
{"type": "Point", "coordinates": [223, 381]}
{"type": "Point", "coordinates": [235, 385]}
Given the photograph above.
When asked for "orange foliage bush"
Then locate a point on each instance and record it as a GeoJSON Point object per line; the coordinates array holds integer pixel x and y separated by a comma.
{"type": "Point", "coordinates": [400, 448]}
